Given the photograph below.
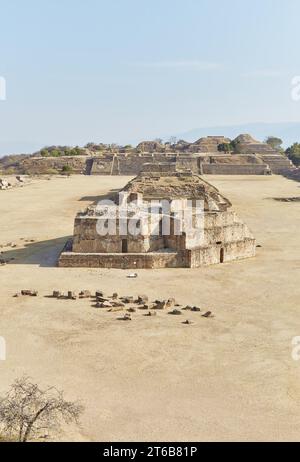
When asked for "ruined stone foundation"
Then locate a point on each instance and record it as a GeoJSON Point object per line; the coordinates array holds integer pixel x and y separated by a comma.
{"type": "Point", "coordinates": [217, 234]}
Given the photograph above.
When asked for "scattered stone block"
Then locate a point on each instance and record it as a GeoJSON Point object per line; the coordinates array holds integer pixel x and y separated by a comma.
{"type": "Point", "coordinates": [170, 303]}
{"type": "Point", "coordinates": [131, 310]}
{"type": "Point", "coordinates": [160, 305]}
{"type": "Point", "coordinates": [101, 299]}
{"type": "Point", "coordinates": [56, 294]}
{"type": "Point", "coordinates": [103, 305]}
{"type": "Point", "coordinates": [196, 309]}
{"type": "Point", "coordinates": [175, 312]}
{"type": "Point", "coordinates": [126, 317]}
{"type": "Point", "coordinates": [30, 293]}
{"type": "Point", "coordinates": [85, 294]}
{"type": "Point", "coordinates": [142, 300]}
{"type": "Point", "coordinates": [4, 184]}
{"type": "Point", "coordinates": [127, 299]}
{"type": "Point", "coordinates": [71, 295]}
{"type": "Point", "coordinates": [187, 308]}
{"type": "Point", "coordinates": [117, 304]}
{"type": "Point", "coordinates": [208, 314]}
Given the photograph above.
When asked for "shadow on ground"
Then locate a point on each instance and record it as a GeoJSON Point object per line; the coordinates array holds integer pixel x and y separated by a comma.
{"type": "Point", "coordinates": [292, 174]}
{"type": "Point", "coordinates": [43, 253]}
{"type": "Point", "coordinates": [95, 199]}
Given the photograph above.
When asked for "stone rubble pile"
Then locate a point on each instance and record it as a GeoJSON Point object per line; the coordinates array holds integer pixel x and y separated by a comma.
{"type": "Point", "coordinates": [12, 182]}
{"type": "Point", "coordinates": [4, 184]}
{"type": "Point", "coordinates": [129, 304]}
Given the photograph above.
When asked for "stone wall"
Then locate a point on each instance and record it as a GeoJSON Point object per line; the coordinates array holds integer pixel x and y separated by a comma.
{"type": "Point", "coordinates": [86, 238]}
{"type": "Point", "coordinates": [277, 163]}
{"type": "Point", "coordinates": [132, 165]}
{"type": "Point", "coordinates": [100, 165]}
{"type": "Point", "coordinates": [44, 165]}
{"type": "Point", "coordinates": [236, 159]}
{"type": "Point", "coordinates": [235, 169]}
{"type": "Point", "coordinates": [214, 219]}
{"type": "Point", "coordinates": [233, 232]}
{"type": "Point", "coordinates": [123, 261]}
{"type": "Point", "coordinates": [201, 164]}
{"type": "Point", "coordinates": [195, 258]}
{"type": "Point", "coordinates": [191, 163]}
{"type": "Point", "coordinates": [222, 253]}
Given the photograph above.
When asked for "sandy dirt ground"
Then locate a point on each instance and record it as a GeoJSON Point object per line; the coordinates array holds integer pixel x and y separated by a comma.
{"type": "Point", "coordinates": [153, 379]}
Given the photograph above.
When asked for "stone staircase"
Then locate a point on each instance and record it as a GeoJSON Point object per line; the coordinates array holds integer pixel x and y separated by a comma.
{"type": "Point", "coordinates": [277, 163]}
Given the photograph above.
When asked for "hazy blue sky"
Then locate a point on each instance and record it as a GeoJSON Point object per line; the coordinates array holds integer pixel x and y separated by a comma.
{"type": "Point", "coordinates": [124, 70]}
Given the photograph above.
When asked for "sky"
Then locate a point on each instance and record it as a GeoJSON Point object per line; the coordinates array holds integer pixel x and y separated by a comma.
{"type": "Point", "coordinates": [120, 71]}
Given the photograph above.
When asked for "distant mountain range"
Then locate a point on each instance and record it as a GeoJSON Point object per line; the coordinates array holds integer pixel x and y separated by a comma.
{"type": "Point", "coordinates": [289, 132]}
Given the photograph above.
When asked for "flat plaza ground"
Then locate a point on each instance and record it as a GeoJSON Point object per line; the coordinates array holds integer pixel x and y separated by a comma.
{"type": "Point", "coordinates": [154, 379]}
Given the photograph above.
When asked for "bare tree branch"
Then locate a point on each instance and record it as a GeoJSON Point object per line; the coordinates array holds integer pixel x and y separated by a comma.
{"type": "Point", "coordinates": [26, 409]}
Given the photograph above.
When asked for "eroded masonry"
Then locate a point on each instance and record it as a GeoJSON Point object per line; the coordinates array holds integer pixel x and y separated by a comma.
{"type": "Point", "coordinates": [196, 226]}
{"type": "Point", "coordinates": [214, 155]}
{"type": "Point", "coordinates": [204, 157]}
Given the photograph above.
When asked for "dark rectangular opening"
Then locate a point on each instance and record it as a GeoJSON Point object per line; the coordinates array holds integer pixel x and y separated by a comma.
{"type": "Point", "coordinates": [124, 246]}
{"type": "Point", "coordinates": [222, 254]}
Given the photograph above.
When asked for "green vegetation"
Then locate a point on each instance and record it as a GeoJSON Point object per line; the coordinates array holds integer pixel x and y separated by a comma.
{"type": "Point", "coordinates": [293, 153]}
{"type": "Point", "coordinates": [96, 147]}
{"type": "Point", "coordinates": [67, 169]}
{"type": "Point", "coordinates": [10, 165]}
{"type": "Point", "coordinates": [227, 147]}
{"type": "Point", "coordinates": [274, 142]}
{"type": "Point", "coordinates": [57, 151]}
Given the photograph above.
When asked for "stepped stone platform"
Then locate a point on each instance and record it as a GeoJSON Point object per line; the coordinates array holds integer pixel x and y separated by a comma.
{"type": "Point", "coordinates": [209, 163]}
{"type": "Point", "coordinates": [278, 164]}
{"type": "Point", "coordinates": [209, 155]}
{"type": "Point", "coordinates": [203, 157]}
{"type": "Point", "coordinates": [195, 227]}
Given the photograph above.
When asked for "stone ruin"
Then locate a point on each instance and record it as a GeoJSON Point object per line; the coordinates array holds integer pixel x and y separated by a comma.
{"type": "Point", "coordinates": [4, 184]}
{"type": "Point", "coordinates": [12, 182]}
{"type": "Point", "coordinates": [202, 157]}
{"type": "Point", "coordinates": [205, 156]}
{"type": "Point", "coordinates": [196, 225]}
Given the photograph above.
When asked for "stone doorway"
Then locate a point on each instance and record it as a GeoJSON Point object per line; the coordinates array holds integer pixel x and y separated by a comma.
{"type": "Point", "coordinates": [124, 246]}
{"type": "Point", "coordinates": [222, 255]}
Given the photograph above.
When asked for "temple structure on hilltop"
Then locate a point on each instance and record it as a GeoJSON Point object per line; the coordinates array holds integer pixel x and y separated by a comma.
{"type": "Point", "coordinates": [211, 155]}
{"type": "Point", "coordinates": [205, 157]}
{"type": "Point", "coordinates": [173, 218]}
